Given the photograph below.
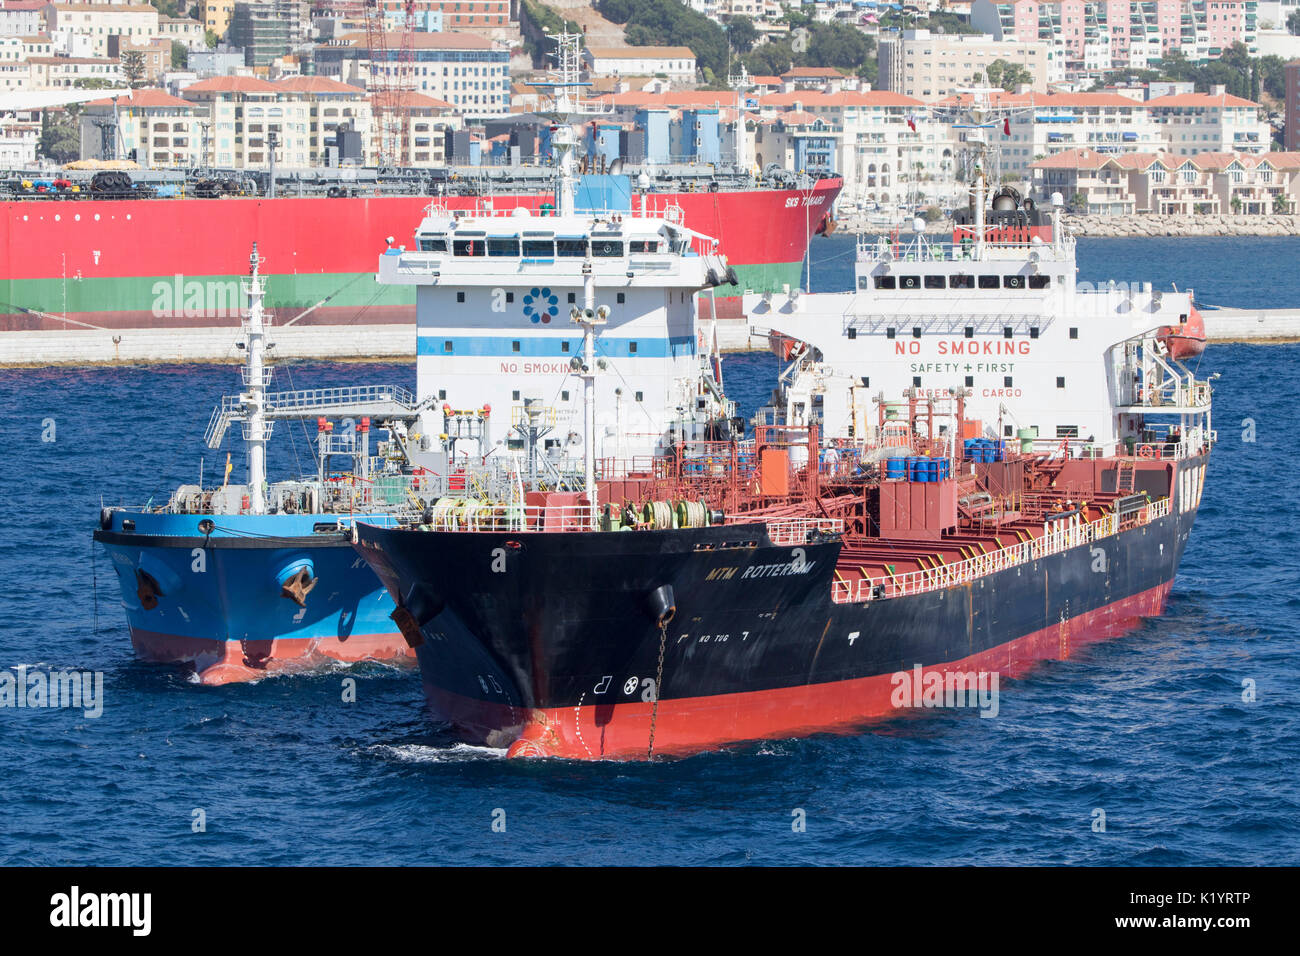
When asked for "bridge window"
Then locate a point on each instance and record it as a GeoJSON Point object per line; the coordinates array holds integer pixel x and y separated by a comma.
{"type": "Point", "coordinates": [961, 282]}
{"type": "Point", "coordinates": [909, 282]}
{"type": "Point", "coordinates": [1013, 282]}
{"type": "Point", "coordinates": [573, 248]}
{"type": "Point", "coordinates": [1067, 431]}
{"type": "Point", "coordinates": [935, 282]}
{"type": "Point", "coordinates": [643, 245]}
{"type": "Point", "coordinates": [503, 247]}
{"type": "Point", "coordinates": [438, 244]}
{"type": "Point", "coordinates": [1040, 282]}
{"type": "Point", "coordinates": [467, 247]}
{"type": "Point", "coordinates": [606, 248]}
{"type": "Point", "coordinates": [886, 282]}
{"type": "Point", "coordinates": [539, 249]}
{"type": "Point", "coordinates": [990, 282]}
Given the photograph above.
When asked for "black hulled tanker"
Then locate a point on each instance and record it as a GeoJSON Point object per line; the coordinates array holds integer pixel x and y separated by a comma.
{"type": "Point", "coordinates": [589, 644]}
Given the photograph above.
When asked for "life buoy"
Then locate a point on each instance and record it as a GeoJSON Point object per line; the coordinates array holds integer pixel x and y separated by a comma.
{"type": "Point", "coordinates": [1146, 451]}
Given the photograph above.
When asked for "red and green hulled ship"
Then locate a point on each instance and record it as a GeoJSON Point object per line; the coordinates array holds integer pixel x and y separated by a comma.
{"type": "Point", "coordinates": [174, 263]}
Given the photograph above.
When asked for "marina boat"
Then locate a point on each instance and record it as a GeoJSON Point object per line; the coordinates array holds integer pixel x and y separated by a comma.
{"type": "Point", "coordinates": [243, 580]}
{"type": "Point", "coordinates": [862, 554]}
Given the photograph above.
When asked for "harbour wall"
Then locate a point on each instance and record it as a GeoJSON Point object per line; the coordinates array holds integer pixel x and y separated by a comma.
{"type": "Point", "coordinates": [1209, 227]}
{"type": "Point", "coordinates": [353, 343]}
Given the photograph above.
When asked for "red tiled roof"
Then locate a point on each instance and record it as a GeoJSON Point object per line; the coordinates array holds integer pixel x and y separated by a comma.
{"type": "Point", "coordinates": [232, 84]}
{"type": "Point", "coordinates": [316, 84]}
{"type": "Point", "coordinates": [1083, 158]}
{"type": "Point", "coordinates": [144, 98]}
{"type": "Point", "coordinates": [846, 98]}
{"type": "Point", "coordinates": [1200, 99]}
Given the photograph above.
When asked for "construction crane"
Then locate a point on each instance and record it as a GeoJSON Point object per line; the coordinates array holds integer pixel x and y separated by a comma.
{"type": "Point", "coordinates": [391, 80]}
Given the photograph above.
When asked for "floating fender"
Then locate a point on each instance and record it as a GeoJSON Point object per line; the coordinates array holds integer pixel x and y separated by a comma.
{"type": "Point", "coordinates": [713, 278]}
{"type": "Point", "coordinates": [732, 278]}
{"type": "Point", "coordinates": [106, 518]}
{"type": "Point", "coordinates": [296, 580]}
{"type": "Point", "coordinates": [662, 605]}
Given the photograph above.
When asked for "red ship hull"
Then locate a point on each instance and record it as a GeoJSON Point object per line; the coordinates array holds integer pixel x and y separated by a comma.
{"type": "Point", "coordinates": [175, 263]}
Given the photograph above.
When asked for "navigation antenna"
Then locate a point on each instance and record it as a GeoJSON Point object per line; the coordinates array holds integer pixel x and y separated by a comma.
{"type": "Point", "coordinates": [981, 116]}
{"type": "Point", "coordinates": [565, 85]}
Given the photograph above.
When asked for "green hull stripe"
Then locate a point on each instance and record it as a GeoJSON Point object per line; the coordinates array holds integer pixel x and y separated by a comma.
{"type": "Point", "coordinates": [221, 295]}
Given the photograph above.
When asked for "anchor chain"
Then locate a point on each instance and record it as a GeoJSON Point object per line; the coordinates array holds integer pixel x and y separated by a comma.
{"type": "Point", "coordinates": [659, 679]}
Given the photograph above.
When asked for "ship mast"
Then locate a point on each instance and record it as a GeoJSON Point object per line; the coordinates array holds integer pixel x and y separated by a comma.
{"type": "Point", "coordinates": [565, 104]}
{"type": "Point", "coordinates": [589, 317]}
{"type": "Point", "coordinates": [253, 399]}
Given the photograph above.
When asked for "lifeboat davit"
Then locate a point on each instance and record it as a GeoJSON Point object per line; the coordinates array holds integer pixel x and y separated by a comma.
{"type": "Point", "coordinates": [782, 346]}
{"type": "Point", "coordinates": [1186, 340]}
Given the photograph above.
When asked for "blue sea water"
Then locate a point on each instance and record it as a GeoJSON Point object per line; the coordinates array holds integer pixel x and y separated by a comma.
{"type": "Point", "coordinates": [1150, 728]}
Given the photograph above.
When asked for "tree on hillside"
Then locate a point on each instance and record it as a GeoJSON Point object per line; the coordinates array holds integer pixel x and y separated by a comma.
{"type": "Point", "coordinates": [133, 68]}
{"type": "Point", "coordinates": [742, 34]}
{"type": "Point", "coordinates": [837, 45]}
{"type": "Point", "coordinates": [670, 23]}
{"type": "Point", "coordinates": [1008, 75]}
{"type": "Point", "coordinates": [60, 134]}
{"type": "Point", "coordinates": [180, 56]}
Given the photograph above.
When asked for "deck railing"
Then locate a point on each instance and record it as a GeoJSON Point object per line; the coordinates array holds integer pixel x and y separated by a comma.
{"type": "Point", "coordinates": [1061, 537]}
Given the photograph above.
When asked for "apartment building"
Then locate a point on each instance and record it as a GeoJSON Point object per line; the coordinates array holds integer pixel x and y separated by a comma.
{"type": "Point", "coordinates": [135, 22]}
{"type": "Point", "coordinates": [674, 62]}
{"type": "Point", "coordinates": [241, 111]}
{"type": "Point", "coordinates": [22, 17]}
{"type": "Point", "coordinates": [61, 72]}
{"type": "Point", "coordinates": [919, 63]}
{"type": "Point", "coordinates": [1099, 35]}
{"type": "Point", "coordinates": [215, 15]}
{"type": "Point", "coordinates": [1166, 184]}
{"type": "Point", "coordinates": [468, 71]}
{"type": "Point", "coordinates": [154, 128]}
{"type": "Point", "coordinates": [1194, 123]}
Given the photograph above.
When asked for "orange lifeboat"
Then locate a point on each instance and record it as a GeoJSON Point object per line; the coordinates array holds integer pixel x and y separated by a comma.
{"type": "Point", "coordinates": [1186, 340]}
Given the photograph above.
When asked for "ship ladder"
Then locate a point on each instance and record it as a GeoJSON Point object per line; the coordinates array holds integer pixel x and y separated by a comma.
{"type": "Point", "coordinates": [1124, 477]}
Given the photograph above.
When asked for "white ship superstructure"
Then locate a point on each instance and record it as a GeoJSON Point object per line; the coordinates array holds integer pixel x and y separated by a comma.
{"type": "Point", "coordinates": [996, 313]}
{"type": "Point", "coordinates": [500, 300]}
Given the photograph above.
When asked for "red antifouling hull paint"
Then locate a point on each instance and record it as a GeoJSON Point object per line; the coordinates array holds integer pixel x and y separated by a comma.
{"type": "Point", "coordinates": [689, 725]}
{"type": "Point", "coordinates": [229, 662]}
